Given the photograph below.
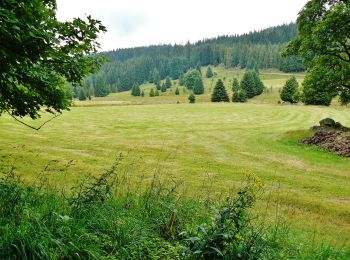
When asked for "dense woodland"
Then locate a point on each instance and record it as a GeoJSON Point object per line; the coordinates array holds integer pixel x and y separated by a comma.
{"type": "Point", "coordinates": [258, 49]}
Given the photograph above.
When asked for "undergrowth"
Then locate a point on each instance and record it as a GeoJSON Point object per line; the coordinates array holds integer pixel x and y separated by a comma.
{"type": "Point", "coordinates": [104, 218]}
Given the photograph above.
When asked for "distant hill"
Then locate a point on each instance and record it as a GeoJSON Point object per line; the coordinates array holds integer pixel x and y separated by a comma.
{"type": "Point", "coordinates": [141, 64]}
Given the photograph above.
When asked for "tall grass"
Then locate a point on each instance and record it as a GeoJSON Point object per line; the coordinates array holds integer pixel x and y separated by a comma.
{"type": "Point", "coordinates": [103, 217]}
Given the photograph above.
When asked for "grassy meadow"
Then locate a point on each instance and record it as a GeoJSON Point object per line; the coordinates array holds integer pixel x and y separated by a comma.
{"type": "Point", "coordinates": [208, 146]}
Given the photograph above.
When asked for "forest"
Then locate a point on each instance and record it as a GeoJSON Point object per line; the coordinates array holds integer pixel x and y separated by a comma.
{"type": "Point", "coordinates": [258, 49]}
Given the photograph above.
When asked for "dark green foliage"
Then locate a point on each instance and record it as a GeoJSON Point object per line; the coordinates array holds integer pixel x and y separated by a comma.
{"type": "Point", "coordinates": [251, 84]}
{"type": "Point", "coordinates": [155, 76]}
{"type": "Point", "coordinates": [177, 91]}
{"type": "Point", "coordinates": [136, 91]}
{"type": "Point", "coordinates": [324, 46]}
{"type": "Point", "coordinates": [168, 83]}
{"type": "Point", "coordinates": [142, 93]}
{"type": "Point", "coordinates": [198, 87]}
{"type": "Point", "coordinates": [163, 88]}
{"type": "Point", "coordinates": [209, 72]}
{"type": "Point", "coordinates": [230, 234]}
{"type": "Point", "coordinates": [156, 93]}
{"type": "Point", "coordinates": [181, 80]}
{"type": "Point", "coordinates": [239, 96]}
{"type": "Point", "coordinates": [39, 53]}
{"type": "Point", "coordinates": [158, 86]}
{"type": "Point", "coordinates": [219, 93]}
{"type": "Point", "coordinates": [82, 95]}
{"type": "Point", "coordinates": [151, 93]}
{"type": "Point", "coordinates": [192, 98]}
{"type": "Point", "coordinates": [100, 87]}
{"type": "Point", "coordinates": [317, 89]}
{"type": "Point", "coordinates": [235, 85]}
{"type": "Point", "coordinates": [290, 91]}
{"type": "Point", "coordinates": [191, 78]}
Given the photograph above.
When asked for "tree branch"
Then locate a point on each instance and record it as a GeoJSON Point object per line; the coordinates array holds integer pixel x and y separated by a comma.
{"type": "Point", "coordinates": [32, 127]}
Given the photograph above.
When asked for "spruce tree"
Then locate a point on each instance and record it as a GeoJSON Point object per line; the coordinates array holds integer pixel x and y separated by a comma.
{"type": "Point", "coordinates": [156, 93]}
{"type": "Point", "coordinates": [239, 96]}
{"type": "Point", "coordinates": [219, 93]}
{"type": "Point", "coordinates": [259, 85]}
{"type": "Point", "coordinates": [163, 88]}
{"type": "Point", "coordinates": [158, 86]}
{"type": "Point", "coordinates": [248, 84]}
{"type": "Point", "coordinates": [142, 93]}
{"type": "Point", "coordinates": [235, 85]}
{"type": "Point", "coordinates": [136, 91]}
{"type": "Point", "coordinates": [82, 95]}
{"type": "Point", "coordinates": [192, 98]}
{"type": "Point", "coordinates": [209, 72]}
{"type": "Point", "coordinates": [290, 91]}
{"type": "Point", "coordinates": [151, 93]}
{"type": "Point", "coordinates": [198, 87]}
{"type": "Point", "coordinates": [168, 83]}
{"type": "Point", "coordinates": [177, 92]}
{"type": "Point", "coordinates": [100, 86]}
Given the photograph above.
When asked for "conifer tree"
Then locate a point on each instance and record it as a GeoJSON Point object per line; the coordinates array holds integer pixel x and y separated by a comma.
{"type": "Point", "coordinates": [163, 88]}
{"type": "Point", "coordinates": [219, 93]}
{"type": "Point", "coordinates": [168, 83]}
{"type": "Point", "coordinates": [290, 91]}
{"type": "Point", "coordinates": [239, 96]}
{"type": "Point", "coordinates": [158, 86]}
{"type": "Point", "coordinates": [151, 93]}
{"type": "Point", "coordinates": [198, 87]}
{"type": "Point", "coordinates": [251, 84]}
{"type": "Point", "coordinates": [100, 86]}
{"type": "Point", "coordinates": [259, 85]}
{"type": "Point", "coordinates": [156, 93]}
{"type": "Point", "coordinates": [235, 85]}
{"type": "Point", "coordinates": [192, 98]}
{"type": "Point", "coordinates": [82, 95]}
{"type": "Point", "coordinates": [177, 92]}
{"type": "Point", "coordinates": [209, 72]}
{"type": "Point", "coordinates": [142, 93]}
{"type": "Point", "coordinates": [136, 91]}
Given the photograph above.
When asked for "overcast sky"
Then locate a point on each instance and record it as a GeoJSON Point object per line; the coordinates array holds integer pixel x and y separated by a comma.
{"type": "Point", "coordinates": [133, 23]}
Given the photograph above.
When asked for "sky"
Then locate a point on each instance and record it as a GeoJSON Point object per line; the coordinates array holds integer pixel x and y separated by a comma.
{"type": "Point", "coordinates": [132, 23]}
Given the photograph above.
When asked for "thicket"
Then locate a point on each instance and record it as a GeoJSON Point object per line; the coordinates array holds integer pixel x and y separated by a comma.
{"type": "Point", "coordinates": [103, 216]}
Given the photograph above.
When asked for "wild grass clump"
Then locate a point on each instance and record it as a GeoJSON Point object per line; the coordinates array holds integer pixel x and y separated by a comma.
{"type": "Point", "coordinates": [100, 218]}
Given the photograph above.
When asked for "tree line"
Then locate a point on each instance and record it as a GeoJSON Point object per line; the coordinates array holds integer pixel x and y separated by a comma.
{"type": "Point", "coordinates": [258, 49]}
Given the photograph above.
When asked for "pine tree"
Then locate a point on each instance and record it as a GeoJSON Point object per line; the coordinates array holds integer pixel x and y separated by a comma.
{"type": "Point", "coordinates": [82, 95]}
{"type": "Point", "coordinates": [290, 91]}
{"type": "Point", "coordinates": [219, 93]}
{"type": "Point", "coordinates": [209, 72]}
{"type": "Point", "coordinates": [259, 85]}
{"type": "Point", "coordinates": [163, 88]}
{"type": "Point", "coordinates": [177, 92]}
{"type": "Point", "coordinates": [151, 93]}
{"type": "Point", "coordinates": [239, 96]}
{"type": "Point", "coordinates": [100, 86]}
{"type": "Point", "coordinates": [235, 85]}
{"type": "Point", "coordinates": [168, 83]}
{"type": "Point", "coordinates": [156, 93]}
{"type": "Point", "coordinates": [192, 98]}
{"type": "Point", "coordinates": [136, 91]}
{"type": "Point", "coordinates": [198, 88]}
{"type": "Point", "coordinates": [248, 84]}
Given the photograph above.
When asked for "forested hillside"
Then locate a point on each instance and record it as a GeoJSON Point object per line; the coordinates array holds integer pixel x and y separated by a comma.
{"type": "Point", "coordinates": [137, 65]}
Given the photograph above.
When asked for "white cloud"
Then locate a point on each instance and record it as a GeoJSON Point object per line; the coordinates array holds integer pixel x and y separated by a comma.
{"type": "Point", "coordinates": [139, 22]}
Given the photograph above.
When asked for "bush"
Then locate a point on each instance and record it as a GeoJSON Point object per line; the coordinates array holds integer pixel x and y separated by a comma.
{"type": "Point", "coordinates": [177, 91]}
{"type": "Point", "coordinates": [192, 98]}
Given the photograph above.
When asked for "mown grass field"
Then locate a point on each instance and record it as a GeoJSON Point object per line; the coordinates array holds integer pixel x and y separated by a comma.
{"type": "Point", "coordinates": [208, 146]}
